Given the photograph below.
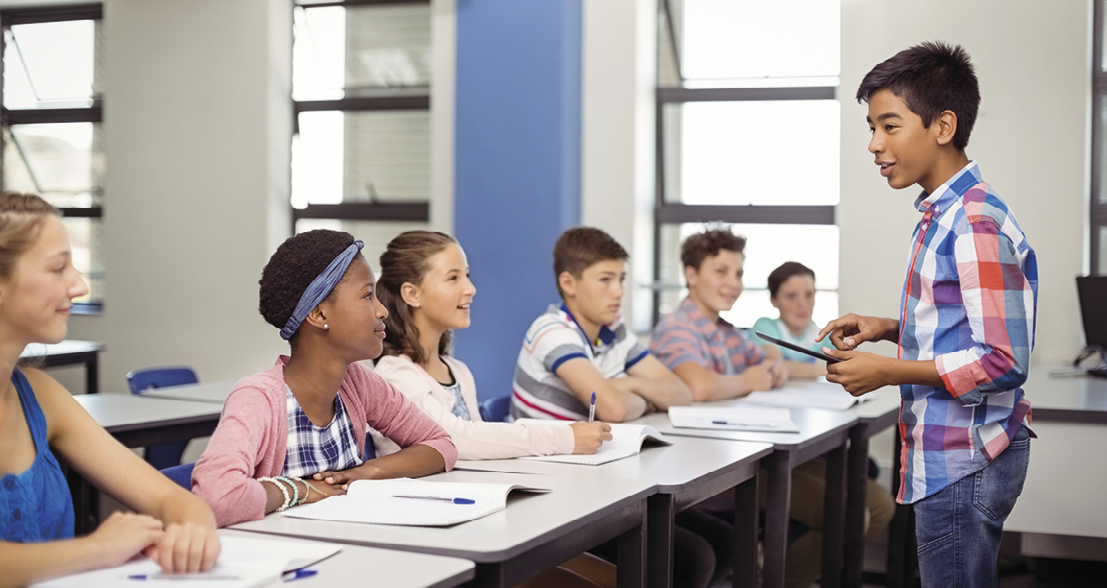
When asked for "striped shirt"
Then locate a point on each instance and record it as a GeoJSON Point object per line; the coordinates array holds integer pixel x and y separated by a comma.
{"type": "Point", "coordinates": [312, 449]}
{"type": "Point", "coordinates": [969, 305]}
{"type": "Point", "coordinates": [553, 339]}
{"type": "Point", "coordinates": [686, 335]}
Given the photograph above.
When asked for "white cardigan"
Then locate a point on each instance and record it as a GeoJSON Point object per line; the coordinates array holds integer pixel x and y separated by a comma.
{"type": "Point", "coordinates": [474, 439]}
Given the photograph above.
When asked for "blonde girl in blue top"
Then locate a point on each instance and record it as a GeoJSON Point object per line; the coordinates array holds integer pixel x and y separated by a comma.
{"type": "Point", "coordinates": [39, 417]}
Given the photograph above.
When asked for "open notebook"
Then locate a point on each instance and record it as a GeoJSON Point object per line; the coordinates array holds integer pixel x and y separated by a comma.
{"type": "Point", "coordinates": [811, 394]}
{"type": "Point", "coordinates": [404, 501]}
{"type": "Point", "coordinates": [626, 440]}
{"type": "Point", "coordinates": [733, 418]}
{"type": "Point", "coordinates": [243, 563]}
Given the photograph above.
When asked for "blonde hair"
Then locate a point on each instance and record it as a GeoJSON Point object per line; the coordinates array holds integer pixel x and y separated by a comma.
{"type": "Point", "coordinates": [21, 219]}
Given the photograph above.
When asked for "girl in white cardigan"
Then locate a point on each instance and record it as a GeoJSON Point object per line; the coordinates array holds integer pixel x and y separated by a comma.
{"type": "Point", "coordinates": [425, 286]}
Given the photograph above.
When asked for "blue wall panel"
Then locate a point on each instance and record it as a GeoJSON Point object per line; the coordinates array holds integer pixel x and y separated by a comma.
{"type": "Point", "coordinates": [517, 184]}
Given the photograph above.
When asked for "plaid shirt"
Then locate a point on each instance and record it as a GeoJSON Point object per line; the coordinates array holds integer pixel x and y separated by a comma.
{"type": "Point", "coordinates": [969, 303]}
{"type": "Point", "coordinates": [314, 449]}
{"type": "Point", "coordinates": [686, 335]}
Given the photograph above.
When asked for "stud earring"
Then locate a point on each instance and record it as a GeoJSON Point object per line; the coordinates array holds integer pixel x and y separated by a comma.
{"type": "Point", "coordinates": [326, 326]}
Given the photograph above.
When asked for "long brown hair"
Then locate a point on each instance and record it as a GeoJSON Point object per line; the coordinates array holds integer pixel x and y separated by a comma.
{"type": "Point", "coordinates": [21, 219]}
{"type": "Point", "coordinates": [406, 260]}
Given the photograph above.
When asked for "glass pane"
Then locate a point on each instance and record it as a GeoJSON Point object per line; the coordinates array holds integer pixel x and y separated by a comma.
{"type": "Point", "coordinates": [733, 153]}
{"type": "Point", "coordinates": [339, 51]}
{"type": "Point", "coordinates": [767, 247]}
{"type": "Point", "coordinates": [727, 39]}
{"type": "Point", "coordinates": [86, 238]}
{"type": "Point", "coordinates": [375, 235]}
{"type": "Point", "coordinates": [361, 156]}
{"type": "Point", "coordinates": [63, 162]}
{"type": "Point", "coordinates": [50, 65]}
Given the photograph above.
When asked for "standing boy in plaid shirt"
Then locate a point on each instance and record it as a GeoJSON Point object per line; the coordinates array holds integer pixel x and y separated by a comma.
{"type": "Point", "coordinates": [966, 324]}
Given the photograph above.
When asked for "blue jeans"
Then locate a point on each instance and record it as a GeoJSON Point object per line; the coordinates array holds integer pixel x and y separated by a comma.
{"type": "Point", "coordinates": [960, 527]}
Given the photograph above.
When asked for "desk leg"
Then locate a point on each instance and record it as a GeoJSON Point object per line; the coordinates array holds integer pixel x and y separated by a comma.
{"type": "Point", "coordinates": [778, 465]}
{"type": "Point", "coordinates": [834, 514]}
{"type": "Point", "coordinates": [745, 534]}
{"type": "Point", "coordinates": [902, 559]}
{"type": "Point", "coordinates": [857, 485]}
{"type": "Point", "coordinates": [92, 374]}
{"type": "Point", "coordinates": [660, 513]}
{"type": "Point", "coordinates": [632, 557]}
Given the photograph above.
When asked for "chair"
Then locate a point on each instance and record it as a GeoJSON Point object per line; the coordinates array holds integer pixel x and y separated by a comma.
{"type": "Point", "coordinates": [169, 454]}
{"type": "Point", "coordinates": [181, 474]}
{"type": "Point", "coordinates": [494, 410]}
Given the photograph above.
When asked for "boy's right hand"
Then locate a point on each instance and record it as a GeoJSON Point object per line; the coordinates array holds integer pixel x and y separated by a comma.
{"type": "Point", "coordinates": [123, 535]}
{"type": "Point", "coordinates": [851, 330]}
{"type": "Point", "coordinates": [587, 437]}
{"type": "Point", "coordinates": [760, 377]}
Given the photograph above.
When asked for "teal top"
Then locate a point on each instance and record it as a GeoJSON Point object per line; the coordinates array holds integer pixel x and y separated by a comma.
{"type": "Point", "coordinates": [775, 328]}
{"type": "Point", "coordinates": [36, 505]}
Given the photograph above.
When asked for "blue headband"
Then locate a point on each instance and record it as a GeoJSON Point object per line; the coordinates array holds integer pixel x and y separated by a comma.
{"type": "Point", "coordinates": [318, 289]}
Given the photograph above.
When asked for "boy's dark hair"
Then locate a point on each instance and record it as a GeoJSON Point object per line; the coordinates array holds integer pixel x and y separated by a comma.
{"type": "Point", "coordinates": [298, 261]}
{"type": "Point", "coordinates": [579, 249]}
{"type": "Point", "coordinates": [700, 246]}
{"type": "Point", "coordinates": [785, 271]}
{"type": "Point", "coordinates": [930, 78]}
{"type": "Point", "coordinates": [407, 260]}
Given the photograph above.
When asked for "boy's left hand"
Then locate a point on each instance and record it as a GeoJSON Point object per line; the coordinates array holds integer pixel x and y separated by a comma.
{"type": "Point", "coordinates": [859, 372]}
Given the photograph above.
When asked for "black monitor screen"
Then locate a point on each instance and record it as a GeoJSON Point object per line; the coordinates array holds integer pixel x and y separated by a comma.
{"type": "Point", "coordinates": [1093, 307]}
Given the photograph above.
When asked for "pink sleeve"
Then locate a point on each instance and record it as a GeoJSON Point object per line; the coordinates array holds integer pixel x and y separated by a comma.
{"type": "Point", "coordinates": [401, 421]}
{"type": "Point", "coordinates": [224, 474]}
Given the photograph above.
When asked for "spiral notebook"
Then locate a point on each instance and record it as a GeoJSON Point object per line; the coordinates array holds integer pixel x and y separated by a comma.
{"type": "Point", "coordinates": [733, 418]}
{"type": "Point", "coordinates": [410, 502]}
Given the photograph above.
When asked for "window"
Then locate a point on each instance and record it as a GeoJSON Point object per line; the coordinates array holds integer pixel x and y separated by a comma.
{"type": "Point", "coordinates": [361, 92]}
{"type": "Point", "coordinates": [1098, 245]}
{"type": "Point", "coordinates": [52, 140]}
{"type": "Point", "coordinates": [743, 83]}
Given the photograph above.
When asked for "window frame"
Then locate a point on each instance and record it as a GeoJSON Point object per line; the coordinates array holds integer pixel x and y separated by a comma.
{"type": "Point", "coordinates": [1097, 212]}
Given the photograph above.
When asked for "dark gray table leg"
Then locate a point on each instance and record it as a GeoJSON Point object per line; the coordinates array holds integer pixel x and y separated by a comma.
{"type": "Point", "coordinates": [660, 510]}
{"type": "Point", "coordinates": [857, 485]}
{"type": "Point", "coordinates": [834, 515]}
{"type": "Point", "coordinates": [632, 557]}
{"type": "Point", "coordinates": [778, 467]}
{"type": "Point", "coordinates": [745, 534]}
{"type": "Point", "coordinates": [901, 569]}
{"type": "Point", "coordinates": [92, 374]}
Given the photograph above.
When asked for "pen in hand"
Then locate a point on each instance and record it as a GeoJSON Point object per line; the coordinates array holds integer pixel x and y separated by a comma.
{"type": "Point", "coordinates": [592, 409]}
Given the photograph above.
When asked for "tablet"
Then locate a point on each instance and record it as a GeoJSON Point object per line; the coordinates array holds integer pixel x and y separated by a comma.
{"type": "Point", "coordinates": [794, 347]}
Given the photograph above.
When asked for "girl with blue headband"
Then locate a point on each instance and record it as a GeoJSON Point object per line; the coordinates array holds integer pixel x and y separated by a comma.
{"type": "Point", "coordinates": [295, 433]}
{"type": "Point", "coordinates": [39, 418]}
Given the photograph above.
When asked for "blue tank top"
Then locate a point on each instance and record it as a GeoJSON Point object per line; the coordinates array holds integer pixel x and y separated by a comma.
{"type": "Point", "coordinates": [35, 505]}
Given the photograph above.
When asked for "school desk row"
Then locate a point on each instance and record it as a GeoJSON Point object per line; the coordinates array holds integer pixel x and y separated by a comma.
{"type": "Point", "coordinates": [633, 499]}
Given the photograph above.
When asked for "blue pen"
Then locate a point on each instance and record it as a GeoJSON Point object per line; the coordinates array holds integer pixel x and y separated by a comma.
{"type": "Point", "coordinates": [592, 408]}
{"type": "Point", "coordinates": [435, 498]}
{"type": "Point", "coordinates": [204, 576]}
{"type": "Point", "coordinates": [297, 574]}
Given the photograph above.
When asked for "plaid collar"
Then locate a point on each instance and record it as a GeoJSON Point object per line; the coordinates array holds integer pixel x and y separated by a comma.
{"type": "Point", "coordinates": [949, 192]}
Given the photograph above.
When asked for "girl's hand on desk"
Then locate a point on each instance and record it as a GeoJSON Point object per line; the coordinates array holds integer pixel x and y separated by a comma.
{"type": "Point", "coordinates": [186, 548]}
{"type": "Point", "coordinates": [319, 490]}
{"type": "Point", "coordinates": [123, 535]}
{"type": "Point", "coordinates": [340, 480]}
{"type": "Point", "coordinates": [859, 373]}
{"type": "Point", "coordinates": [589, 436]}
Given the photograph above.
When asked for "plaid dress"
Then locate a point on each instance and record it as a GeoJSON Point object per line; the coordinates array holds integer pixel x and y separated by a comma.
{"type": "Point", "coordinates": [313, 449]}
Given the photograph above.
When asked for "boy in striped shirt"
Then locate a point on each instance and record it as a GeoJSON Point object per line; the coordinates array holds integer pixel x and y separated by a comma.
{"type": "Point", "coordinates": [966, 324]}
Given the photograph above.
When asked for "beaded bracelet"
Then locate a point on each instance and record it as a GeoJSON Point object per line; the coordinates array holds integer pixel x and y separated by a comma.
{"type": "Point", "coordinates": [307, 489]}
{"type": "Point", "coordinates": [281, 487]}
{"type": "Point", "coordinates": [295, 490]}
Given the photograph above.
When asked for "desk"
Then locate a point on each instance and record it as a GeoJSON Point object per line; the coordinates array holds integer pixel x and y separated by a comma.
{"type": "Point", "coordinates": [358, 566]}
{"type": "Point", "coordinates": [821, 432]}
{"type": "Point", "coordinates": [70, 353]}
{"type": "Point", "coordinates": [686, 473]}
{"type": "Point", "coordinates": [532, 534]}
{"type": "Point", "coordinates": [137, 422]}
{"type": "Point", "coordinates": [214, 392]}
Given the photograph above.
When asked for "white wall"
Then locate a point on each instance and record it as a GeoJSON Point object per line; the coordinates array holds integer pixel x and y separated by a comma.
{"type": "Point", "coordinates": [1030, 139]}
{"type": "Point", "coordinates": [197, 117]}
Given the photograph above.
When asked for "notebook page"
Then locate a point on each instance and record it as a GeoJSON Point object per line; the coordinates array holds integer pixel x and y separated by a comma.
{"type": "Point", "coordinates": [482, 493]}
{"type": "Point", "coordinates": [388, 510]}
{"type": "Point", "coordinates": [626, 440]}
{"type": "Point", "coordinates": [733, 418]}
{"type": "Point", "coordinates": [812, 395]}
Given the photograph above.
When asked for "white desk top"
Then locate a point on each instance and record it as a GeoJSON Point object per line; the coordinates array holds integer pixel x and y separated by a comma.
{"type": "Point", "coordinates": [119, 412]}
{"type": "Point", "coordinates": [66, 346]}
{"type": "Point", "coordinates": [530, 520]}
{"type": "Point", "coordinates": [672, 468]}
{"type": "Point", "coordinates": [356, 566]}
{"type": "Point", "coordinates": [815, 425]}
{"type": "Point", "coordinates": [1070, 398]}
{"type": "Point", "coordinates": [215, 392]}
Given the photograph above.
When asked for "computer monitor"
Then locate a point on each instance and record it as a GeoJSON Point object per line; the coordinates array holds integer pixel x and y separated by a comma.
{"type": "Point", "coordinates": [1093, 307]}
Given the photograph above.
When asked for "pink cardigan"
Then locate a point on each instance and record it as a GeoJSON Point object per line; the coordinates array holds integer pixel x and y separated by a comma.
{"type": "Point", "coordinates": [251, 439]}
{"type": "Point", "coordinates": [474, 438]}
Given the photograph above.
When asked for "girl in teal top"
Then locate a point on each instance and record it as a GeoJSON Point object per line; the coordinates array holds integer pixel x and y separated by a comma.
{"type": "Point", "coordinates": [39, 417]}
{"type": "Point", "coordinates": [792, 292]}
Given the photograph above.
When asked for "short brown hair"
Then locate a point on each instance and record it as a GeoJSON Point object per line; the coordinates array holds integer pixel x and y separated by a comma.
{"type": "Point", "coordinates": [581, 248]}
{"type": "Point", "coordinates": [406, 261]}
{"type": "Point", "coordinates": [21, 218]}
{"type": "Point", "coordinates": [785, 271]}
{"type": "Point", "coordinates": [700, 246]}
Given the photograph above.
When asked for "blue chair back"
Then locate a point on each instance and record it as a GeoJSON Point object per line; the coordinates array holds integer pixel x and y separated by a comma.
{"type": "Point", "coordinates": [181, 474]}
{"type": "Point", "coordinates": [494, 410]}
{"type": "Point", "coordinates": [167, 455]}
